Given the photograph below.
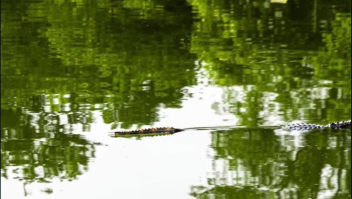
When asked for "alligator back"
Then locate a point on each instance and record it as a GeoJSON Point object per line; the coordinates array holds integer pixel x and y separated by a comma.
{"type": "Point", "coordinates": [302, 126]}
{"type": "Point", "coordinates": [305, 126]}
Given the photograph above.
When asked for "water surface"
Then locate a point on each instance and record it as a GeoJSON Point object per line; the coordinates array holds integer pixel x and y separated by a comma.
{"type": "Point", "coordinates": [72, 72]}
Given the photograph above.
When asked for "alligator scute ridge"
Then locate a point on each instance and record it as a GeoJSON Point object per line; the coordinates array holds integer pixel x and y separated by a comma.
{"type": "Point", "coordinates": [305, 126]}
{"type": "Point", "coordinates": [297, 126]}
{"type": "Point", "coordinates": [159, 130]}
{"type": "Point", "coordinates": [143, 135]}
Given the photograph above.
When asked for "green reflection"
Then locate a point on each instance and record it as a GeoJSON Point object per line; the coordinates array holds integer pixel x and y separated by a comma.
{"type": "Point", "coordinates": [295, 66]}
{"type": "Point", "coordinates": [93, 56]}
{"type": "Point", "coordinates": [34, 149]}
{"type": "Point", "coordinates": [62, 62]}
{"type": "Point", "coordinates": [261, 164]}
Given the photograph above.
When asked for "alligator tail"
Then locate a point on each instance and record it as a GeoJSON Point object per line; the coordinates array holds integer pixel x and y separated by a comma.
{"type": "Point", "coordinates": [161, 130]}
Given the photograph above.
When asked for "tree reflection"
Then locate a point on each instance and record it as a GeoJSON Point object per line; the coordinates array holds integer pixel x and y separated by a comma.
{"type": "Point", "coordinates": [64, 61]}
{"type": "Point", "coordinates": [275, 63]}
{"type": "Point", "coordinates": [114, 63]}
{"type": "Point", "coordinates": [267, 164]}
{"type": "Point", "coordinates": [37, 148]}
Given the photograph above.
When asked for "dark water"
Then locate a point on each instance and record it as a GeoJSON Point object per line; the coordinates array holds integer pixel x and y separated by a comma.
{"type": "Point", "coordinates": [73, 71]}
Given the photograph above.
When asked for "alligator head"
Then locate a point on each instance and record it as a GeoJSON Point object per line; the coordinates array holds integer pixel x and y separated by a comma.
{"type": "Point", "coordinates": [340, 125]}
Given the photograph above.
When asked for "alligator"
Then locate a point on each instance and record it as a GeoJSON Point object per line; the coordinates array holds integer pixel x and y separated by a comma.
{"type": "Point", "coordinates": [297, 126]}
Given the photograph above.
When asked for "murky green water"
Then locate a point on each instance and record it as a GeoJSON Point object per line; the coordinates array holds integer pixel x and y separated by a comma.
{"type": "Point", "coordinates": [73, 71]}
